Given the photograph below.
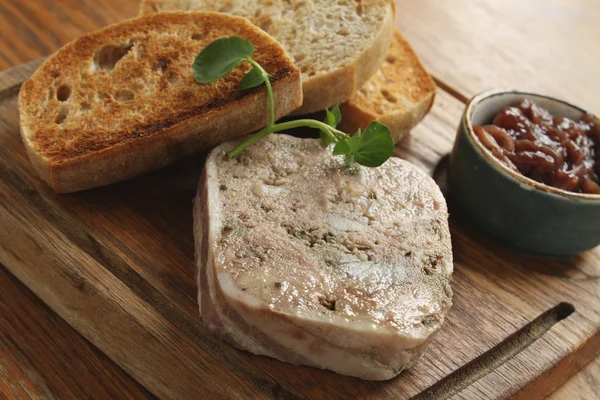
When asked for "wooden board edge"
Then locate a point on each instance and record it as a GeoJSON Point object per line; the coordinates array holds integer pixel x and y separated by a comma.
{"type": "Point", "coordinates": [21, 73]}
{"type": "Point", "coordinates": [566, 368]}
{"type": "Point", "coordinates": [535, 350]}
{"type": "Point", "coordinates": [450, 89]}
{"type": "Point", "coordinates": [12, 78]}
{"type": "Point", "coordinates": [544, 365]}
{"type": "Point", "coordinates": [94, 296]}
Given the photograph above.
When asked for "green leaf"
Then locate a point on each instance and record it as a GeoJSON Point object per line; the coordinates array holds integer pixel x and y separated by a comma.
{"type": "Point", "coordinates": [220, 57]}
{"type": "Point", "coordinates": [347, 146]}
{"type": "Point", "coordinates": [337, 114]}
{"type": "Point", "coordinates": [376, 145]}
{"type": "Point", "coordinates": [354, 142]}
{"type": "Point", "coordinates": [332, 118]}
{"type": "Point", "coordinates": [341, 147]}
{"type": "Point", "coordinates": [253, 78]}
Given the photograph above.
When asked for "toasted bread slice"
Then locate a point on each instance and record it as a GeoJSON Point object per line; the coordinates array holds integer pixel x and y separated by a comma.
{"type": "Point", "coordinates": [399, 95]}
{"type": "Point", "coordinates": [122, 101]}
{"type": "Point", "coordinates": [338, 45]}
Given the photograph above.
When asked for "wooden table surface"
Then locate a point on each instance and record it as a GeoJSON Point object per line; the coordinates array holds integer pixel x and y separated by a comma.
{"type": "Point", "coordinates": [547, 46]}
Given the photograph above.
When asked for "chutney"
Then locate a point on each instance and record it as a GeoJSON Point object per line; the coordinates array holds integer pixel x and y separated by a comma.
{"type": "Point", "coordinates": [555, 151]}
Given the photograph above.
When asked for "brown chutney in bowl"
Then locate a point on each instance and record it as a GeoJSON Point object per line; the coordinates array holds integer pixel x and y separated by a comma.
{"type": "Point", "coordinates": [556, 151]}
{"type": "Point", "coordinates": [526, 214]}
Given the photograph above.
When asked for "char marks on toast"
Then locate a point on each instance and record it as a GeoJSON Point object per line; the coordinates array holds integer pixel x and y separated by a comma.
{"type": "Point", "coordinates": [123, 100]}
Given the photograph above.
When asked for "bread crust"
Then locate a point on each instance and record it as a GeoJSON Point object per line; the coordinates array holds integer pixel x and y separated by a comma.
{"type": "Point", "coordinates": [324, 88]}
{"type": "Point", "coordinates": [402, 79]}
{"type": "Point", "coordinates": [77, 158]}
{"type": "Point", "coordinates": [337, 86]}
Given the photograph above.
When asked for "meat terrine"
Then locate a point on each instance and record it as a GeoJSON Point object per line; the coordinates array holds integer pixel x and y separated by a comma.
{"type": "Point", "coordinates": [304, 261]}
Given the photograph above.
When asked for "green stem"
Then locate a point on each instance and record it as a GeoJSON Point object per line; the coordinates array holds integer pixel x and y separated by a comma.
{"type": "Point", "coordinates": [349, 160]}
{"type": "Point", "coordinates": [269, 90]}
{"type": "Point", "coordinates": [311, 123]}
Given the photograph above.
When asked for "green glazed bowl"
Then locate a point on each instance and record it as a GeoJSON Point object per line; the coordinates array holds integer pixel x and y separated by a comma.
{"type": "Point", "coordinates": [526, 214]}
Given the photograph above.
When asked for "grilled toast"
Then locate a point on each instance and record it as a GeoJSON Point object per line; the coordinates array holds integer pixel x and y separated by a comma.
{"type": "Point", "coordinates": [338, 44]}
{"type": "Point", "coordinates": [399, 95]}
{"type": "Point", "coordinates": [122, 101]}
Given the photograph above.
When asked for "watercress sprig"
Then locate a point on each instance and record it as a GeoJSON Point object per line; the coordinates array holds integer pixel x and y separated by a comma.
{"type": "Point", "coordinates": [371, 148]}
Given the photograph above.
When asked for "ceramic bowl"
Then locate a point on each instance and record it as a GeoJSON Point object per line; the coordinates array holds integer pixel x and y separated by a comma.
{"type": "Point", "coordinates": [537, 218]}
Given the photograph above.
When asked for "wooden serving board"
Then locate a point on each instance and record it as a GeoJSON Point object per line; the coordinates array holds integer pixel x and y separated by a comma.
{"type": "Point", "coordinates": [117, 264]}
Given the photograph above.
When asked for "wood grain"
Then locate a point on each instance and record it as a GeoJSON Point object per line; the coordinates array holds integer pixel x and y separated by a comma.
{"type": "Point", "coordinates": [546, 46]}
{"type": "Point", "coordinates": [41, 356]}
{"type": "Point", "coordinates": [583, 386]}
{"type": "Point", "coordinates": [29, 30]}
{"type": "Point", "coordinates": [34, 28]}
{"type": "Point", "coordinates": [119, 268]}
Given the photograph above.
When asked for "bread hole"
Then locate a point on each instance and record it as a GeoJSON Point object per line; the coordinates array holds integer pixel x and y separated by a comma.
{"type": "Point", "coordinates": [85, 107]}
{"type": "Point", "coordinates": [299, 5]}
{"type": "Point", "coordinates": [197, 36]}
{"type": "Point", "coordinates": [124, 95]}
{"type": "Point", "coordinates": [388, 96]}
{"type": "Point", "coordinates": [300, 57]}
{"type": "Point", "coordinates": [50, 93]}
{"type": "Point", "coordinates": [391, 59]}
{"type": "Point", "coordinates": [55, 74]}
{"type": "Point", "coordinates": [63, 111]}
{"type": "Point", "coordinates": [107, 57]}
{"type": "Point", "coordinates": [359, 9]}
{"type": "Point", "coordinates": [136, 86]}
{"type": "Point", "coordinates": [327, 302]}
{"type": "Point", "coordinates": [173, 80]}
{"type": "Point", "coordinates": [265, 26]}
{"type": "Point", "coordinates": [343, 31]}
{"type": "Point", "coordinates": [138, 50]}
{"type": "Point", "coordinates": [63, 92]}
{"type": "Point", "coordinates": [161, 64]}
{"type": "Point", "coordinates": [264, 23]}
{"type": "Point", "coordinates": [101, 96]}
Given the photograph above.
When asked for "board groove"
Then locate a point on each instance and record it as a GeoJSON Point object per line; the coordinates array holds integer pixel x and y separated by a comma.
{"type": "Point", "coordinates": [122, 256]}
{"type": "Point", "coordinates": [496, 356]}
